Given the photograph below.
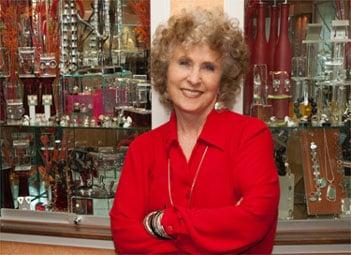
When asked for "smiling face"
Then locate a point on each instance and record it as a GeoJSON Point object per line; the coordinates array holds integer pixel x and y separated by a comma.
{"type": "Point", "coordinates": [193, 79]}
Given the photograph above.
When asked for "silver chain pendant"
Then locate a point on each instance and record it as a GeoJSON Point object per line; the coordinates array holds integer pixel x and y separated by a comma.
{"type": "Point", "coordinates": [331, 193]}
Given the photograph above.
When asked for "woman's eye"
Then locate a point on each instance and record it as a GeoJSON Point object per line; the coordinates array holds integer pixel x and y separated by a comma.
{"type": "Point", "coordinates": [209, 67]}
{"type": "Point", "coordinates": [183, 62]}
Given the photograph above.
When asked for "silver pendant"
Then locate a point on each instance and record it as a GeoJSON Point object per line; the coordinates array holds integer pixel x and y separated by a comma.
{"type": "Point", "coordinates": [331, 193]}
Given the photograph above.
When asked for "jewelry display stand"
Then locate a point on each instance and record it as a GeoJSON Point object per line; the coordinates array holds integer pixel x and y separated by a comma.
{"type": "Point", "coordinates": [260, 107]}
{"type": "Point", "coordinates": [323, 176]}
{"type": "Point", "coordinates": [286, 202]}
{"type": "Point", "coordinates": [32, 103]}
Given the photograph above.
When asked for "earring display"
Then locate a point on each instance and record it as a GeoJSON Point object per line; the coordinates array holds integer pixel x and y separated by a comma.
{"type": "Point", "coordinates": [26, 60]}
{"type": "Point", "coordinates": [322, 172]}
{"type": "Point", "coordinates": [47, 102]}
{"type": "Point", "coordinates": [32, 103]}
{"type": "Point", "coordinates": [24, 203]}
{"type": "Point", "coordinates": [260, 107]}
{"type": "Point", "coordinates": [48, 65]}
{"type": "Point", "coordinates": [14, 111]}
{"type": "Point", "coordinates": [280, 97]}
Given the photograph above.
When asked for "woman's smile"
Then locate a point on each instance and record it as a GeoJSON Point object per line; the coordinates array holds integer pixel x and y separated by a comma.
{"type": "Point", "coordinates": [191, 93]}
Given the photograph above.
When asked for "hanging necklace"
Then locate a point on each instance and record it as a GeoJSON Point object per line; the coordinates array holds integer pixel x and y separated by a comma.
{"type": "Point", "coordinates": [194, 180]}
{"type": "Point", "coordinates": [331, 190]}
{"type": "Point", "coordinates": [315, 196]}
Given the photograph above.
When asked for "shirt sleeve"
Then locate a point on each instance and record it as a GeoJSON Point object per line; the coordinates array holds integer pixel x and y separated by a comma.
{"type": "Point", "coordinates": [236, 228]}
{"type": "Point", "coordinates": [128, 211]}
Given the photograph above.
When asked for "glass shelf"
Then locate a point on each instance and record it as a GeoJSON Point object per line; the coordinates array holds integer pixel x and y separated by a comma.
{"type": "Point", "coordinates": [140, 129]}
{"type": "Point", "coordinates": [36, 75]}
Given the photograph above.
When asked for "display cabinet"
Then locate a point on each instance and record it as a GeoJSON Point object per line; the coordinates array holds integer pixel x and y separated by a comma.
{"type": "Point", "coordinates": [74, 93]}
{"type": "Point", "coordinates": [62, 153]}
{"type": "Point", "coordinates": [299, 83]}
{"type": "Point", "coordinates": [62, 169]}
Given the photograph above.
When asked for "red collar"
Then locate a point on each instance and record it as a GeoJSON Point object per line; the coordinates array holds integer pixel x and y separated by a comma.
{"type": "Point", "coordinates": [211, 134]}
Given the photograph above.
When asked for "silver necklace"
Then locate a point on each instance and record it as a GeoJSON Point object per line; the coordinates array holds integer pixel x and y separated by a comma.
{"type": "Point", "coordinates": [194, 180]}
{"type": "Point", "coordinates": [331, 190]}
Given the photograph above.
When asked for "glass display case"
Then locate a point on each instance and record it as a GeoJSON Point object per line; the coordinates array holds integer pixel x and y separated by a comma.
{"type": "Point", "coordinates": [299, 83]}
{"type": "Point", "coordinates": [62, 169]}
{"type": "Point", "coordinates": [74, 94]}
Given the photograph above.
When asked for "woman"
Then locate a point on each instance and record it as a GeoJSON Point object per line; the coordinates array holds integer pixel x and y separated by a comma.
{"type": "Point", "coordinates": [205, 182]}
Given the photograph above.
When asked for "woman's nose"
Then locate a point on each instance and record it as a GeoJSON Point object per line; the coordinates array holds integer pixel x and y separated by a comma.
{"type": "Point", "coordinates": [194, 76]}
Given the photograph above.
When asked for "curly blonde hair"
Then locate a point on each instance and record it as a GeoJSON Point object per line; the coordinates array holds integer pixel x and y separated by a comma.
{"type": "Point", "coordinates": [189, 28]}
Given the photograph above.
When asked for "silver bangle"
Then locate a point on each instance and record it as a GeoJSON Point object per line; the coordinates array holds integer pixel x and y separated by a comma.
{"type": "Point", "coordinates": [159, 227]}
{"type": "Point", "coordinates": [146, 223]}
{"type": "Point", "coordinates": [152, 224]}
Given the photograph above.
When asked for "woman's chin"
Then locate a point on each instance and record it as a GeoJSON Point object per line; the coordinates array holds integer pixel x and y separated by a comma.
{"type": "Point", "coordinates": [192, 109]}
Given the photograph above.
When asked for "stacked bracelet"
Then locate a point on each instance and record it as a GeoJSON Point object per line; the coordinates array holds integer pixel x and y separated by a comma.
{"type": "Point", "coordinates": [152, 224]}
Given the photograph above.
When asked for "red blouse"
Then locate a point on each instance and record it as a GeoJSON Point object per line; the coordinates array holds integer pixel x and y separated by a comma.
{"type": "Point", "coordinates": [233, 206]}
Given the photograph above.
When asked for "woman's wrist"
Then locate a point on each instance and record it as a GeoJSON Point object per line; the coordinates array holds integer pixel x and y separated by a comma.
{"type": "Point", "coordinates": [152, 224]}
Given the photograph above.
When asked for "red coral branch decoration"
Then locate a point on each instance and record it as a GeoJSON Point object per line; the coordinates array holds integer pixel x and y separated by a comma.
{"type": "Point", "coordinates": [10, 40]}
{"type": "Point", "coordinates": [142, 9]}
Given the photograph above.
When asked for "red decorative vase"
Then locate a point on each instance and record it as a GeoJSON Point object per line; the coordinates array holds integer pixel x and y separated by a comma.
{"type": "Point", "coordinates": [260, 53]}
{"type": "Point", "coordinates": [273, 36]}
{"type": "Point", "coordinates": [282, 62]}
{"type": "Point", "coordinates": [283, 52]}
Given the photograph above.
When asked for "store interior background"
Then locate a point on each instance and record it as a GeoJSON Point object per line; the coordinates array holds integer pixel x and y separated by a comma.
{"type": "Point", "coordinates": [160, 11]}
